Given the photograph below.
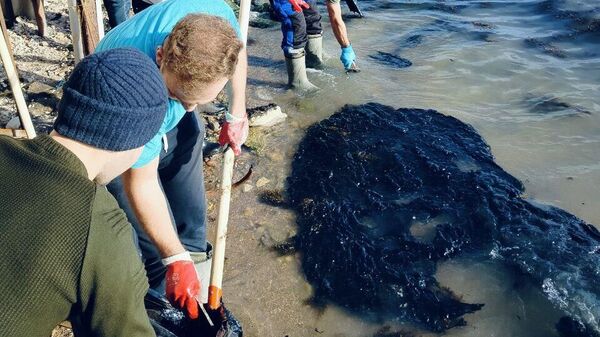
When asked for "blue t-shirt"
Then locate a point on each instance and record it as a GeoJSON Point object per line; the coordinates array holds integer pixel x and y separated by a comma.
{"type": "Point", "coordinates": [147, 31]}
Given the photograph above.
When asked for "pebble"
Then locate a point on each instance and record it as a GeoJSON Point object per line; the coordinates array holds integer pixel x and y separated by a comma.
{"type": "Point", "coordinates": [14, 123]}
{"type": "Point", "coordinates": [39, 88]}
{"type": "Point", "coordinates": [262, 182]}
{"type": "Point", "coordinates": [247, 188]}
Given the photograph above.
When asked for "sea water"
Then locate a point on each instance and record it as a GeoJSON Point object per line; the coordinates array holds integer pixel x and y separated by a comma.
{"type": "Point", "coordinates": [525, 74]}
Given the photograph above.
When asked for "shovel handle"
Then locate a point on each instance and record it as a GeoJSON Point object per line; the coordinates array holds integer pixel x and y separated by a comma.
{"type": "Point", "coordinates": [216, 278]}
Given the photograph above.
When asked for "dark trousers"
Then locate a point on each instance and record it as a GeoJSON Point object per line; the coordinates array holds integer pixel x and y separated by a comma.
{"type": "Point", "coordinates": [182, 180]}
{"type": "Point", "coordinates": [118, 11]}
{"type": "Point", "coordinates": [297, 26]}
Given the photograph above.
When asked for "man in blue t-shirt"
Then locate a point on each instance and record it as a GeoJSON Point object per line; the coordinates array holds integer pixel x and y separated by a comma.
{"type": "Point", "coordinates": [196, 46]}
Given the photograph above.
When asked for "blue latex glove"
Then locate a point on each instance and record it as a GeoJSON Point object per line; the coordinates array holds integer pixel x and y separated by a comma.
{"type": "Point", "coordinates": [347, 57]}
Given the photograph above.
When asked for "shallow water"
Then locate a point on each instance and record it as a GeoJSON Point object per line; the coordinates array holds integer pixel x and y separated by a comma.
{"type": "Point", "coordinates": [525, 74]}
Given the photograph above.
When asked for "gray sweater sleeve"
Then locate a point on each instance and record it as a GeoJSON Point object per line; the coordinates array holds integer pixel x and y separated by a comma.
{"type": "Point", "coordinates": [113, 281]}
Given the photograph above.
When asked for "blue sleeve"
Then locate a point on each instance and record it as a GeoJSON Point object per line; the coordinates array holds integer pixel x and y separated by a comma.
{"type": "Point", "coordinates": [230, 17]}
{"type": "Point", "coordinates": [150, 152]}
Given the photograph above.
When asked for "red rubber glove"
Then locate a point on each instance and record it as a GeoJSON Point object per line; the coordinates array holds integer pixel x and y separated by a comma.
{"type": "Point", "coordinates": [297, 5]}
{"type": "Point", "coordinates": [234, 132]}
{"type": "Point", "coordinates": [183, 287]}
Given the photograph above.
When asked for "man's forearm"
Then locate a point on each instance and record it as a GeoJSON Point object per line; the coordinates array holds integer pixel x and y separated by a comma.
{"type": "Point", "coordinates": [236, 89]}
{"type": "Point", "coordinates": [337, 23]}
{"type": "Point", "coordinates": [151, 208]}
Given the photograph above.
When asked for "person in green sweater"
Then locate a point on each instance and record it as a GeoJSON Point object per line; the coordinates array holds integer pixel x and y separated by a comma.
{"type": "Point", "coordinates": [67, 249]}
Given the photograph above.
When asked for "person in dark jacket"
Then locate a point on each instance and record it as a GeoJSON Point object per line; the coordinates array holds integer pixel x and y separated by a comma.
{"type": "Point", "coordinates": [67, 248]}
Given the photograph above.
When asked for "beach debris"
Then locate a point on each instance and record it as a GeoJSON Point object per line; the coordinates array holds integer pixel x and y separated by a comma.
{"type": "Point", "coordinates": [546, 47]}
{"type": "Point", "coordinates": [261, 20]}
{"type": "Point", "coordinates": [391, 60]}
{"type": "Point", "coordinates": [266, 115]}
{"type": "Point", "coordinates": [361, 178]}
{"type": "Point", "coordinates": [262, 181]}
{"type": "Point", "coordinates": [14, 123]}
{"type": "Point", "coordinates": [247, 188]}
{"type": "Point", "coordinates": [548, 104]}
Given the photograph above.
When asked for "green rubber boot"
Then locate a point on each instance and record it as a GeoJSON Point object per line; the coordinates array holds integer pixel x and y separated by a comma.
{"type": "Point", "coordinates": [296, 69]}
{"type": "Point", "coordinates": [314, 51]}
{"type": "Point", "coordinates": [203, 264]}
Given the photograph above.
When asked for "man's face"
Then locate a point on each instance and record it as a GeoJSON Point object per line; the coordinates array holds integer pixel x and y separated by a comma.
{"type": "Point", "coordinates": [190, 101]}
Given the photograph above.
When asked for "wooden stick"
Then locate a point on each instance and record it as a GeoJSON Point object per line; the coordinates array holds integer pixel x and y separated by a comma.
{"type": "Point", "coordinates": [75, 23]}
{"type": "Point", "coordinates": [15, 86]}
{"type": "Point", "coordinates": [89, 25]}
{"type": "Point", "coordinates": [215, 290]}
{"type": "Point", "coordinates": [40, 16]}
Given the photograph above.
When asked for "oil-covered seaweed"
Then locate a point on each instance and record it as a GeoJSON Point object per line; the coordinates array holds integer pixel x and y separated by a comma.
{"type": "Point", "coordinates": [365, 178]}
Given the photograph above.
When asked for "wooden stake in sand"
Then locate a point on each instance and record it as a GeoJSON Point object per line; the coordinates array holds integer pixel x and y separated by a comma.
{"type": "Point", "coordinates": [87, 28]}
{"type": "Point", "coordinates": [15, 84]}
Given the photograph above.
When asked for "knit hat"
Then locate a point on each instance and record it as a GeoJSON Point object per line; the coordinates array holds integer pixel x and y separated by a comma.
{"type": "Point", "coordinates": [114, 100]}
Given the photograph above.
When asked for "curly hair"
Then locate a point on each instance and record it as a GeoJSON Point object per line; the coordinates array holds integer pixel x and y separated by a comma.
{"type": "Point", "coordinates": [200, 50]}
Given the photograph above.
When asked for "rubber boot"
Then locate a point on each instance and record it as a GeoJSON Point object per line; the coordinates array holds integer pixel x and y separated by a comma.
{"type": "Point", "coordinates": [296, 69]}
{"type": "Point", "coordinates": [314, 51]}
{"type": "Point", "coordinates": [203, 264]}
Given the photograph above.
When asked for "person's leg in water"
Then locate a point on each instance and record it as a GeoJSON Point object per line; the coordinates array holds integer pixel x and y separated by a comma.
{"type": "Point", "coordinates": [293, 28]}
{"type": "Point", "coordinates": [118, 11]}
{"type": "Point", "coordinates": [314, 34]}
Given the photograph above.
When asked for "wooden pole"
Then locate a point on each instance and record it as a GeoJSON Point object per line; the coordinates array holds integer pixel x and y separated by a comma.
{"type": "Point", "coordinates": [215, 290]}
{"type": "Point", "coordinates": [75, 24]}
{"type": "Point", "coordinates": [15, 86]}
{"type": "Point", "coordinates": [89, 25]}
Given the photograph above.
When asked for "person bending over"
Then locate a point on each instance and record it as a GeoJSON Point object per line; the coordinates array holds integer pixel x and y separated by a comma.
{"type": "Point", "coordinates": [196, 46]}
{"type": "Point", "coordinates": [67, 249]}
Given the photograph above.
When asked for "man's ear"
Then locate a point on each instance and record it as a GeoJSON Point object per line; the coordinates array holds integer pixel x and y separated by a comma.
{"type": "Point", "coordinates": [159, 55]}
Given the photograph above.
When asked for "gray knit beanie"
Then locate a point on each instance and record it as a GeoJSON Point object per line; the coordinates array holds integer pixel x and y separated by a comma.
{"type": "Point", "coordinates": [114, 100]}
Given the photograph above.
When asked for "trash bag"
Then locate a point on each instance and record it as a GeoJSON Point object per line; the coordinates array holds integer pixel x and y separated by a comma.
{"type": "Point", "coordinates": [169, 321]}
